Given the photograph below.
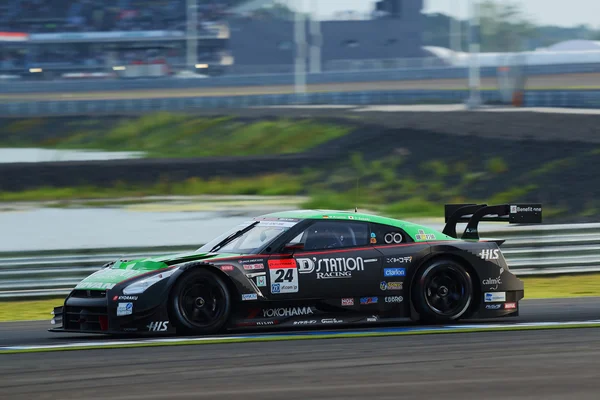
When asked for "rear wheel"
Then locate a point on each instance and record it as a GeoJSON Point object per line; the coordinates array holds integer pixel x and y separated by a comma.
{"type": "Point", "coordinates": [442, 291]}
{"type": "Point", "coordinates": [200, 302]}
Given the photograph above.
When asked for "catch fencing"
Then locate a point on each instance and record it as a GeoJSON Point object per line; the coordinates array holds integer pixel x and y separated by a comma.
{"type": "Point", "coordinates": [533, 98]}
{"type": "Point", "coordinates": [270, 79]}
{"type": "Point", "coordinates": [529, 250]}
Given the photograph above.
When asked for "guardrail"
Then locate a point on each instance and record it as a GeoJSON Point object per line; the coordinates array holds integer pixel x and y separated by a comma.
{"type": "Point", "coordinates": [532, 98]}
{"type": "Point", "coordinates": [539, 250]}
{"type": "Point", "coordinates": [375, 75]}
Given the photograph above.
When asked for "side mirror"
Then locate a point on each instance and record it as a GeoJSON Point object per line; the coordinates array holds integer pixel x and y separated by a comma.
{"type": "Point", "coordinates": [292, 247]}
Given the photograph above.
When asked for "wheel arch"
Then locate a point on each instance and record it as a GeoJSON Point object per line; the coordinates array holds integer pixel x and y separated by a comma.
{"type": "Point", "coordinates": [456, 257]}
{"type": "Point", "coordinates": [233, 290]}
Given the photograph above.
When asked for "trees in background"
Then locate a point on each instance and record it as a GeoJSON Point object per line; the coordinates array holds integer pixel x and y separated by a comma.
{"type": "Point", "coordinates": [504, 28]}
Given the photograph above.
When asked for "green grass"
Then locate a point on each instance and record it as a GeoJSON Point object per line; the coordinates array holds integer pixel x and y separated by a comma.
{"type": "Point", "coordinates": [562, 286]}
{"type": "Point", "coordinates": [265, 185]}
{"type": "Point", "coordinates": [30, 310]}
{"type": "Point", "coordinates": [163, 134]}
{"type": "Point", "coordinates": [535, 288]}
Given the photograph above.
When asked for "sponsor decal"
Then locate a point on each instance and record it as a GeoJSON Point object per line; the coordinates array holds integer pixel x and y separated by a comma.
{"type": "Point", "coordinates": [493, 283]}
{"type": "Point", "coordinates": [251, 267]}
{"type": "Point", "coordinates": [510, 306]}
{"type": "Point", "coordinates": [130, 298]}
{"type": "Point", "coordinates": [124, 309]}
{"type": "Point", "coordinates": [372, 319]}
{"type": "Point", "coordinates": [352, 217]}
{"type": "Point", "coordinates": [284, 224]}
{"type": "Point", "coordinates": [331, 321]}
{"type": "Point", "coordinates": [494, 297]}
{"type": "Point", "coordinates": [266, 322]}
{"type": "Point", "coordinates": [369, 300]}
{"type": "Point", "coordinates": [286, 312]}
{"type": "Point", "coordinates": [373, 235]}
{"type": "Point", "coordinates": [348, 302]}
{"type": "Point", "coordinates": [95, 285]}
{"type": "Point", "coordinates": [390, 285]}
{"type": "Point", "coordinates": [393, 237]}
{"type": "Point", "coordinates": [261, 281]}
{"type": "Point", "coordinates": [370, 260]}
{"type": "Point", "coordinates": [421, 235]}
{"type": "Point", "coordinates": [489, 254]}
{"type": "Point", "coordinates": [252, 261]}
{"type": "Point", "coordinates": [158, 326]}
{"type": "Point", "coordinates": [517, 209]}
{"type": "Point", "coordinates": [284, 276]}
{"type": "Point", "coordinates": [249, 296]}
{"type": "Point", "coordinates": [398, 260]}
{"type": "Point", "coordinates": [394, 272]}
{"type": "Point", "coordinates": [227, 268]}
{"type": "Point", "coordinates": [394, 299]}
{"type": "Point", "coordinates": [493, 306]}
{"type": "Point", "coordinates": [373, 240]}
{"type": "Point", "coordinates": [311, 322]}
{"type": "Point", "coordinates": [331, 268]}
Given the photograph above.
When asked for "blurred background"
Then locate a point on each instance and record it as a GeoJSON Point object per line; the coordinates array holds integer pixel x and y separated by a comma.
{"type": "Point", "coordinates": [131, 124]}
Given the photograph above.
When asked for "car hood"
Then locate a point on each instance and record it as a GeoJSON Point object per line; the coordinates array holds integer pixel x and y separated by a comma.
{"type": "Point", "coordinates": [120, 271]}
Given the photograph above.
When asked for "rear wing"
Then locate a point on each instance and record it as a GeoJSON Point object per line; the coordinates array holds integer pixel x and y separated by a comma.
{"type": "Point", "coordinates": [472, 214]}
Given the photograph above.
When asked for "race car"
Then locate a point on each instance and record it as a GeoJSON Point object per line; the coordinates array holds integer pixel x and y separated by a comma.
{"type": "Point", "coordinates": [308, 268]}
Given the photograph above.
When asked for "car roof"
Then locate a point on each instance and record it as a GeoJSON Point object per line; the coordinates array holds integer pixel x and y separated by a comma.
{"type": "Point", "coordinates": [411, 228]}
{"type": "Point", "coordinates": [337, 214]}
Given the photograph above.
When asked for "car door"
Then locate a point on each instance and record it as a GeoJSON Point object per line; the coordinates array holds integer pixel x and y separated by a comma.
{"type": "Point", "coordinates": [336, 261]}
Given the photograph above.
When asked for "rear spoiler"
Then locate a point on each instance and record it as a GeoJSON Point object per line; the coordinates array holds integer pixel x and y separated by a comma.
{"type": "Point", "coordinates": [472, 214]}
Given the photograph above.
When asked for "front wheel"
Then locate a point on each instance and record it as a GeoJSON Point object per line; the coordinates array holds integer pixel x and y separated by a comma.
{"type": "Point", "coordinates": [200, 302]}
{"type": "Point", "coordinates": [442, 292]}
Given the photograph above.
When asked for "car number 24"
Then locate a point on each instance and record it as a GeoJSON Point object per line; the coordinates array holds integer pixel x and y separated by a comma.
{"type": "Point", "coordinates": [284, 276]}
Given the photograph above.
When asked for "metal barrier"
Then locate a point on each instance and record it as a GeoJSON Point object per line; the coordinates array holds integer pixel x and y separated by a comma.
{"type": "Point", "coordinates": [530, 251]}
{"type": "Point", "coordinates": [532, 98]}
{"type": "Point", "coordinates": [406, 74]}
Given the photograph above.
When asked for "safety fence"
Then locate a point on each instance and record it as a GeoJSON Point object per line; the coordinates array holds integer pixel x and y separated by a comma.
{"type": "Point", "coordinates": [375, 75]}
{"type": "Point", "coordinates": [529, 250]}
{"type": "Point", "coordinates": [532, 98]}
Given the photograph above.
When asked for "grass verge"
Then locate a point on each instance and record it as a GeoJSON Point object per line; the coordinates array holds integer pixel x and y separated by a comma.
{"type": "Point", "coordinates": [160, 135]}
{"type": "Point", "coordinates": [266, 185]}
{"type": "Point", "coordinates": [535, 288]}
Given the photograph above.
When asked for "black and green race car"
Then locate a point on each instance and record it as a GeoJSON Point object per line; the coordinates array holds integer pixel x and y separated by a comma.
{"type": "Point", "coordinates": [309, 268]}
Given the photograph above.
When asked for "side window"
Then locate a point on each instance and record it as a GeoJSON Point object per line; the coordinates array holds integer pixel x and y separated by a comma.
{"type": "Point", "coordinates": [323, 235]}
{"type": "Point", "coordinates": [384, 234]}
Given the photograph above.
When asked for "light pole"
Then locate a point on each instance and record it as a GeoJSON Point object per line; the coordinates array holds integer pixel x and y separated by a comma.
{"type": "Point", "coordinates": [455, 31]}
{"type": "Point", "coordinates": [192, 34]}
{"type": "Point", "coordinates": [316, 40]}
{"type": "Point", "coordinates": [474, 100]}
{"type": "Point", "coordinates": [300, 40]}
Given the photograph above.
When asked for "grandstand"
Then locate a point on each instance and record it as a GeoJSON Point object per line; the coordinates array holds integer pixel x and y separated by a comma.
{"type": "Point", "coordinates": [48, 39]}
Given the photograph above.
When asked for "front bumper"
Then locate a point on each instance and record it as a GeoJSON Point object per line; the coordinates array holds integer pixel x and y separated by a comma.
{"type": "Point", "coordinates": [96, 312]}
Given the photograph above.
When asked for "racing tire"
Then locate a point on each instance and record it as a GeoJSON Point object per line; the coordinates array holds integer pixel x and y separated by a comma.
{"type": "Point", "coordinates": [442, 291]}
{"type": "Point", "coordinates": [200, 303]}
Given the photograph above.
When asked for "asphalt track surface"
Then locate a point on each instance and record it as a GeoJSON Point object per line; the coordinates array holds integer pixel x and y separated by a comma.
{"type": "Point", "coordinates": [551, 310]}
{"type": "Point", "coordinates": [562, 81]}
{"type": "Point", "coordinates": [544, 364]}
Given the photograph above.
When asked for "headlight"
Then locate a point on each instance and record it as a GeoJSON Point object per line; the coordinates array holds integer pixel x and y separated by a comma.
{"type": "Point", "coordinates": [141, 286]}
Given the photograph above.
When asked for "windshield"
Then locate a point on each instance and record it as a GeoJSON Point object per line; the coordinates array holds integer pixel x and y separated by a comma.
{"type": "Point", "coordinates": [252, 240]}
